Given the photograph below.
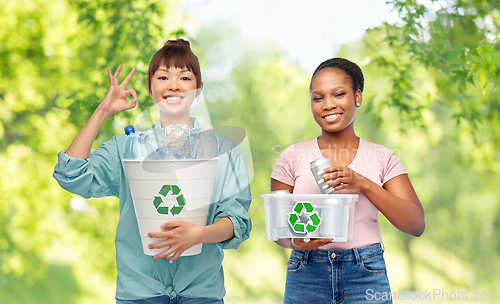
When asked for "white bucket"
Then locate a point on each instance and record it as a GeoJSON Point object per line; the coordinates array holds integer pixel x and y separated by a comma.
{"type": "Point", "coordinates": [167, 190]}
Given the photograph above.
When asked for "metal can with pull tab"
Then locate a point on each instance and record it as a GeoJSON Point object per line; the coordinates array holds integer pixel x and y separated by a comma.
{"type": "Point", "coordinates": [318, 165]}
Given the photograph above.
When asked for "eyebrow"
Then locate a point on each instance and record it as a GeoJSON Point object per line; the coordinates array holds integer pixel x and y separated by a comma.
{"type": "Point", "coordinates": [166, 70]}
{"type": "Point", "coordinates": [333, 89]}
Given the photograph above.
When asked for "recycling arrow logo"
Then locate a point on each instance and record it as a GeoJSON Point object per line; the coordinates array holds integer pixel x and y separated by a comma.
{"type": "Point", "coordinates": [294, 218]}
{"type": "Point", "coordinates": [165, 191]}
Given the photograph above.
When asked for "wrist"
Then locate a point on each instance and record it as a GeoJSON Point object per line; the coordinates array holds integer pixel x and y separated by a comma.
{"type": "Point", "coordinates": [367, 186]}
{"type": "Point", "coordinates": [101, 115]}
{"type": "Point", "coordinates": [202, 233]}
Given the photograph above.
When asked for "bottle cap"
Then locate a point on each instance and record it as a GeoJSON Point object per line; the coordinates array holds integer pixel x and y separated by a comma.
{"type": "Point", "coordinates": [129, 129]}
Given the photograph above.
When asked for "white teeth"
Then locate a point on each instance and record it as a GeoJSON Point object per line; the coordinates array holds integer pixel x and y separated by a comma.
{"type": "Point", "coordinates": [332, 116]}
{"type": "Point", "coordinates": [174, 98]}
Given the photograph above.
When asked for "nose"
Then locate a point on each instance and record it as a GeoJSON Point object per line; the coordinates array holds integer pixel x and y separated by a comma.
{"type": "Point", "coordinates": [329, 103]}
{"type": "Point", "coordinates": [173, 85]}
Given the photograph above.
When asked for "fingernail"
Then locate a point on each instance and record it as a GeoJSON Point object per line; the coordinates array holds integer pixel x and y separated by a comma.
{"type": "Point", "coordinates": [306, 240]}
{"type": "Point", "coordinates": [333, 241]}
{"type": "Point", "coordinates": [320, 172]}
{"type": "Point", "coordinates": [321, 181]}
{"type": "Point", "coordinates": [325, 186]}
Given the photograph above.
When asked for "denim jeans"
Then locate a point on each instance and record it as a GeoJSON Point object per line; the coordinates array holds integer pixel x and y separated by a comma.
{"type": "Point", "coordinates": [355, 275]}
{"type": "Point", "coordinates": [168, 300]}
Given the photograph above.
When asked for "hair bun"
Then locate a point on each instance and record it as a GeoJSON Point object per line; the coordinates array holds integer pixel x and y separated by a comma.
{"type": "Point", "coordinates": [180, 42]}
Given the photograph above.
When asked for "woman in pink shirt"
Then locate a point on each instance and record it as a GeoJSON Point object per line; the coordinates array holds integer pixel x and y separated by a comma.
{"type": "Point", "coordinates": [320, 271]}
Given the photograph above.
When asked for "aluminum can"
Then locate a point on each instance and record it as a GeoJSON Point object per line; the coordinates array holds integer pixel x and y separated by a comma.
{"type": "Point", "coordinates": [281, 204]}
{"type": "Point", "coordinates": [318, 165]}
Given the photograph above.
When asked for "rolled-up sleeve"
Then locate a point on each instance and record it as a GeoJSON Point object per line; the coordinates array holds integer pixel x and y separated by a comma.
{"type": "Point", "coordinates": [95, 176]}
{"type": "Point", "coordinates": [236, 197]}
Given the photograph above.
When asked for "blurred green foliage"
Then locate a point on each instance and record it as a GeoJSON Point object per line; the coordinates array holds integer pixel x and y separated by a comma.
{"type": "Point", "coordinates": [53, 58]}
{"type": "Point", "coordinates": [430, 89]}
{"type": "Point", "coordinates": [458, 41]}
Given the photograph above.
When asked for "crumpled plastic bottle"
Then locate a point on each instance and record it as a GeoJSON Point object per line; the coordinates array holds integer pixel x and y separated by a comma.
{"type": "Point", "coordinates": [159, 143]}
{"type": "Point", "coordinates": [178, 141]}
{"type": "Point", "coordinates": [205, 144]}
{"type": "Point", "coordinates": [155, 139]}
{"type": "Point", "coordinates": [135, 145]}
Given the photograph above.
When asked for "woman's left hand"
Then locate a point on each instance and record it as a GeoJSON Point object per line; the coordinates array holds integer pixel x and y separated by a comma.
{"type": "Point", "coordinates": [181, 236]}
{"type": "Point", "coordinates": [340, 178]}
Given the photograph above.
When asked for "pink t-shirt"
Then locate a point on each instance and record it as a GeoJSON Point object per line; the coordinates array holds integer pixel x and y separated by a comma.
{"type": "Point", "coordinates": [375, 162]}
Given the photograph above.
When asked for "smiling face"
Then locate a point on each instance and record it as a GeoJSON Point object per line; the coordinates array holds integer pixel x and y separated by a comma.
{"type": "Point", "coordinates": [333, 101]}
{"type": "Point", "coordinates": [174, 90]}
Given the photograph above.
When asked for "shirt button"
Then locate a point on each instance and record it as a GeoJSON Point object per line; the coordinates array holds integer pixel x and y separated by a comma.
{"type": "Point", "coordinates": [333, 255]}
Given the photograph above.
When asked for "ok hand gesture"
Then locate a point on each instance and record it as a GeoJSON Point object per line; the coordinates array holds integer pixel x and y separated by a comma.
{"type": "Point", "coordinates": [115, 100]}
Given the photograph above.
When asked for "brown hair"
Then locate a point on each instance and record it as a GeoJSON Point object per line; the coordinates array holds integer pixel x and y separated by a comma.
{"type": "Point", "coordinates": [176, 53]}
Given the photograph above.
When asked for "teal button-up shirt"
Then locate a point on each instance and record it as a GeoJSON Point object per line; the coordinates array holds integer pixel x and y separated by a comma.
{"type": "Point", "coordinates": [141, 276]}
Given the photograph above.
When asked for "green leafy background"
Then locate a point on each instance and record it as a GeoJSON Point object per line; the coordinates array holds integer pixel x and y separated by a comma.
{"type": "Point", "coordinates": [431, 95]}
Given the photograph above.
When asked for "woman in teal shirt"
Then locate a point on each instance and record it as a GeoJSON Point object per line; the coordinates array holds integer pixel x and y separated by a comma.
{"type": "Point", "coordinates": [174, 80]}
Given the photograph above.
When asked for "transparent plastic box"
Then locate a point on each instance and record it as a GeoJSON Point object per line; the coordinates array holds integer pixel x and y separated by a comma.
{"type": "Point", "coordinates": [309, 215]}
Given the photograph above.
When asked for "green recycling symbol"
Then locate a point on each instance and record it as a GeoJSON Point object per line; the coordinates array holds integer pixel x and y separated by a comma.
{"type": "Point", "coordinates": [165, 191]}
{"type": "Point", "coordinates": [294, 218]}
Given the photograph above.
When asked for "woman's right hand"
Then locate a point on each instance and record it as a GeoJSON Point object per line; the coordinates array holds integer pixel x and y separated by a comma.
{"type": "Point", "coordinates": [308, 244]}
{"type": "Point", "coordinates": [303, 244]}
{"type": "Point", "coordinates": [115, 100]}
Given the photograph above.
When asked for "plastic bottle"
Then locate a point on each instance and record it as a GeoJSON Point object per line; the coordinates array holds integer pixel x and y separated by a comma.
{"type": "Point", "coordinates": [179, 141]}
{"type": "Point", "coordinates": [206, 144]}
{"type": "Point", "coordinates": [135, 146]}
{"type": "Point", "coordinates": [156, 139]}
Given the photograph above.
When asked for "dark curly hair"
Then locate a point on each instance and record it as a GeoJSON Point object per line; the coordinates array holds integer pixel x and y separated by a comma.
{"type": "Point", "coordinates": [352, 70]}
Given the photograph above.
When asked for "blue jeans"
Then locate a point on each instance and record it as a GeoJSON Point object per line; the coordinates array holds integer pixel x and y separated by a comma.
{"type": "Point", "coordinates": [168, 300]}
{"type": "Point", "coordinates": [355, 275]}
